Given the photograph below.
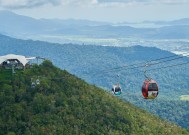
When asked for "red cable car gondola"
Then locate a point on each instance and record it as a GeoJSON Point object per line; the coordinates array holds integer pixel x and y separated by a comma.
{"type": "Point", "coordinates": [150, 89]}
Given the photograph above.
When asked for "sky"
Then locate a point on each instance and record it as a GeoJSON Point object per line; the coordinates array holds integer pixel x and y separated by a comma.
{"type": "Point", "coordinates": [101, 10]}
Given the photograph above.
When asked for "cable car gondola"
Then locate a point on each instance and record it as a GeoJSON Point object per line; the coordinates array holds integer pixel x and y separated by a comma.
{"type": "Point", "coordinates": [116, 89]}
{"type": "Point", "coordinates": [33, 85]}
{"type": "Point", "coordinates": [150, 89]}
{"type": "Point", "coordinates": [37, 81]}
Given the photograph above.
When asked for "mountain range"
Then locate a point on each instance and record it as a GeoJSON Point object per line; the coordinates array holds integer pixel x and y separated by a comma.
{"type": "Point", "coordinates": [24, 27]}
{"type": "Point", "coordinates": [184, 21]}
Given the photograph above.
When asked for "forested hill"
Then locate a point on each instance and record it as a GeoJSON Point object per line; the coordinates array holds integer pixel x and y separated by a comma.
{"type": "Point", "coordinates": [84, 61]}
{"type": "Point", "coordinates": [65, 104]}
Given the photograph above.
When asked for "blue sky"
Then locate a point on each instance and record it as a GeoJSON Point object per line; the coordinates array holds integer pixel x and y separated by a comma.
{"type": "Point", "coordinates": [100, 10]}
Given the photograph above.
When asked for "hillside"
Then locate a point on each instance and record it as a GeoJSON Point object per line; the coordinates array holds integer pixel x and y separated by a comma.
{"type": "Point", "coordinates": [84, 61]}
{"type": "Point", "coordinates": [95, 59]}
{"type": "Point", "coordinates": [65, 104]}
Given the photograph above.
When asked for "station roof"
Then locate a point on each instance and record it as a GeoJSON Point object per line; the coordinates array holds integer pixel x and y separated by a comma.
{"type": "Point", "coordinates": [20, 58]}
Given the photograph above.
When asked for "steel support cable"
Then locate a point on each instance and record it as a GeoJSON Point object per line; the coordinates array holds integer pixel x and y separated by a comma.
{"type": "Point", "coordinates": [175, 65]}
{"type": "Point", "coordinates": [169, 66]}
{"type": "Point", "coordinates": [124, 66]}
{"type": "Point", "coordinates": [180, 64]}
{"type": "Point", "coordinates": [152, 64]}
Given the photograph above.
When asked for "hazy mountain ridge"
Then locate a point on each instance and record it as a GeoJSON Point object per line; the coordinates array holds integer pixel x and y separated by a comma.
{"type": "Point", "coordinates": [13, 23]}
{"type": "Point", "coordinates": [156, 24]}
{"type": "Point", "coordinates": [26, 27]}
{"type": "Point", "coordinates": [183, 21]}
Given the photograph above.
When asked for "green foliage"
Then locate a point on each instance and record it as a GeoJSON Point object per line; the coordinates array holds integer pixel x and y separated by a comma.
{"type": "Point", "coordinates": [65, 104]}
{"type": "Point", "coordinates": [88, 62]}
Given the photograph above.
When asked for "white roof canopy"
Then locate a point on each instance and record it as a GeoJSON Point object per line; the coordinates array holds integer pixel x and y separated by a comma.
{"type": "Point", "coordinates": [20, 58]}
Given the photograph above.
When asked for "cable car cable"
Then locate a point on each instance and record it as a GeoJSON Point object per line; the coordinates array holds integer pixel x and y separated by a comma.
{"type": "Point", "coordinates": [175, 65]}
{"type": "Point", "coordinates": [124, 66]}
{"type": "Point", "coordinates": [169, 66]}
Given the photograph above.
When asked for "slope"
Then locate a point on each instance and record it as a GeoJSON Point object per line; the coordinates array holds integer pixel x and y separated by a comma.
{"type": "Point", "coordinates": [84, 61]}
{"type": "Point", "coordinates": [65, 104]}
{"type": "Point", "coordinates": [95, 59]}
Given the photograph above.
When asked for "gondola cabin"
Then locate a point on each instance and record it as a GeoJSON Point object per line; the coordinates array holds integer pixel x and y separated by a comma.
{"type": "Point", "coordinates": [116, 89]}
{"type": "Point", "coordinates": [150, 89]}
{"type": "Point", "coordinates": [37, 81]}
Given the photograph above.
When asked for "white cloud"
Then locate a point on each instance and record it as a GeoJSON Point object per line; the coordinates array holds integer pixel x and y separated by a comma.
{"type": "Point", "coordinates": [79, 2]}
{"type": "Point", "coordinates": [17, 4]}
{"type": "Point", "coordinates": [141, 2]}
{"type": "Point", "coordinates": [144, 1]}
{"type": "Point", "coordinates": [174, 1]}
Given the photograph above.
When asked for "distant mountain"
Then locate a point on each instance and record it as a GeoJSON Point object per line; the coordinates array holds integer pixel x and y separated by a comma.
{"type": "Point", "coordinates": [64, 104]}
{"type": "Point", "coordinates": [55, 29]}
{"type": "Point", "coordinates": [184, 21]}
{"type": "Point", "coordinates": [16, 25]}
